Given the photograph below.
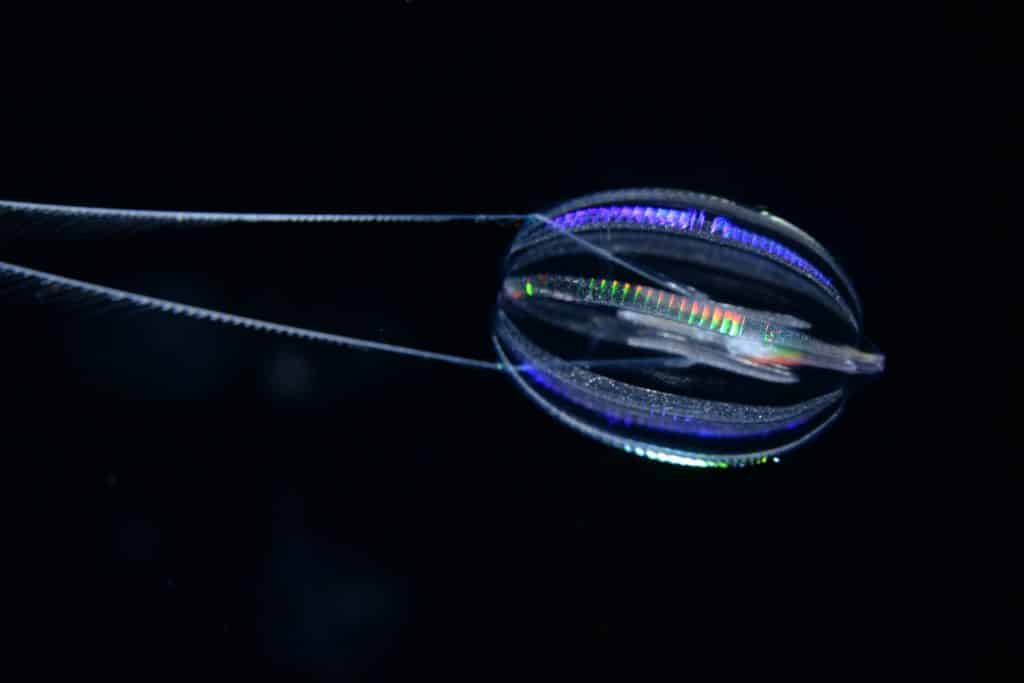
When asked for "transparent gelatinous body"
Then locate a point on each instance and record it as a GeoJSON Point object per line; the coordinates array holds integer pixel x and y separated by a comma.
{"type": "Point", "coordinates": [674, 325]}
{"type": "Point", "coordinates": [679, 326]}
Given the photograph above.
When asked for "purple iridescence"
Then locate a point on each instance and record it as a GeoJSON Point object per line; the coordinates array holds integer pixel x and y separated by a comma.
{"type": "Point", "coordinates": [690, 220]}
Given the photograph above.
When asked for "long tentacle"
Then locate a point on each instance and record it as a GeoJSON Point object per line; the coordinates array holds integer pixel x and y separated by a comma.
{"type": "Point", "coordinates": [65, 221]}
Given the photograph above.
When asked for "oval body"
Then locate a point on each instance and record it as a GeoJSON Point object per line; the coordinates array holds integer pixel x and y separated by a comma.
{"type": "Point", "coordinates": [679, 326]}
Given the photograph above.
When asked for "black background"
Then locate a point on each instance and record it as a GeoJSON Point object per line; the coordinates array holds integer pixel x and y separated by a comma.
{"type": "Point", "coordinates": [189, 499]}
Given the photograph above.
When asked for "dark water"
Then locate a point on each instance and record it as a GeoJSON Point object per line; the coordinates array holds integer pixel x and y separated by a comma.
{"type": "Point", "coordinates": [186, 497]}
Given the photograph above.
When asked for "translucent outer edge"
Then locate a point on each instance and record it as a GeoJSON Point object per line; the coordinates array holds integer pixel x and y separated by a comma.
{"type": "Point", "coordinates": [749, 217]}
{"type": "Point", "coordinates": [671, 456]}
